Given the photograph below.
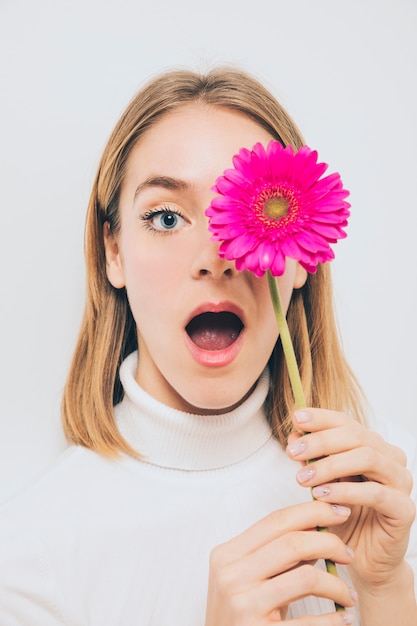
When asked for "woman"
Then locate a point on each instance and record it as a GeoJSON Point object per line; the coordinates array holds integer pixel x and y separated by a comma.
{"type": "Point", "coordinates": [177, 502]}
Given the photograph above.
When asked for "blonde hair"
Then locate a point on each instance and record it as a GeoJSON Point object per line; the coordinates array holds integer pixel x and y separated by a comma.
{"type": "Point", "coordinates": [108, 332]}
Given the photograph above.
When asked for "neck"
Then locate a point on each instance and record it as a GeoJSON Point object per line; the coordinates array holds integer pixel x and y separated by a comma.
{"type": "Point", "coordinates": [170, 438]}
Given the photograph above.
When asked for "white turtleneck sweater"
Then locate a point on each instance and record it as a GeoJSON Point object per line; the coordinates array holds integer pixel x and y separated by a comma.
{"type": "Point", "coordinates": [126, 542]}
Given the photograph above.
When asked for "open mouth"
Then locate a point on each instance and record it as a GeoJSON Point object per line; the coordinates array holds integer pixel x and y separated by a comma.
{"type": "Point", "coordinates": [214, 331]}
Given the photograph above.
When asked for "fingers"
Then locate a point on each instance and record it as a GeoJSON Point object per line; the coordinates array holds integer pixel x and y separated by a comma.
{"type": "Point", "coordinates": [286, 552]}
{"type": "Point", "coordinates": [301, 582]}
{"type": "Point", "coordinates": [346, 448]}
{"type": "Point", "coordinates": [357, 462]}
{"type": "Point", "coordinates": [234, 599]}
{"type": "Point", "coordinates": [330, 619]}
{"type": "Point", "coordinates": [251, 603]}
{"type": "Point", "coordinates": [352, 434]}
{"type": "Point", "coordinates": [385, 500]}
{"type": "Point", "coordinates": [277, 524]}
{"type": "Point", "coordinates": [338, 451]}
{"type": "Point", "coordinates": [271, 565]}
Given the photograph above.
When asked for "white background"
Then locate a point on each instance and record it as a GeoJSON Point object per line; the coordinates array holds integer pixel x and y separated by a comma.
{"type": "Point", "coordinates": [345, 70]}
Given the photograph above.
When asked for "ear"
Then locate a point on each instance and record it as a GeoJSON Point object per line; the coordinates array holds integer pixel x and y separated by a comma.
{"type": "Point", "coordinates": [300, 276]}
{"type": "Point", "coordinates": [114, 265]}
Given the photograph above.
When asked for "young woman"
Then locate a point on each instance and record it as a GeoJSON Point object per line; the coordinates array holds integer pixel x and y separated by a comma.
{"type": "Point", "coordinates": [185, 497]}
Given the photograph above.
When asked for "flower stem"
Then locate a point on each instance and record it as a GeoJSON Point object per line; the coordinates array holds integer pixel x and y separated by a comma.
{"type": "Point", "coordinates": [295, 378]}
{"type": "Point", "coordinates": [287, 345]}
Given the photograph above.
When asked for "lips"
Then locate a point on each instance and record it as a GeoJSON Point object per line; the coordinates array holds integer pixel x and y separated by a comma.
{"type": "Point", "coordinates": [214, 333]}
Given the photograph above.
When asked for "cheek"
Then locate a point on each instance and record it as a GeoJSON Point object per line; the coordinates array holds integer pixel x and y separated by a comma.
{"type": "Point", "coordinates": [264, 319]}
{"type": "Point", "coordinates": [285, 285]}
{"type": "Point", "coordinates": [285, 291]}
{"type": "Point", "coordinates": [267, 323]}
{"type": "Point", "coordinates": [286, 282]}
{"type": "Point", "coordinates": [152, 283]}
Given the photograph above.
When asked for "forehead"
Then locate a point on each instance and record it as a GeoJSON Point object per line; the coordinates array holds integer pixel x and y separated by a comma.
{"type": "Point", "coordinates": [193, 139]}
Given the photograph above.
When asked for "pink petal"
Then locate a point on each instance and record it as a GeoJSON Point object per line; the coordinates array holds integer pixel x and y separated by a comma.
{"type": "Point", "coordinates": [278, 265]}
{"type": "Point", "coordinates": [291, 249]}
{"type": "Point", "coordinates": [281, 165]}
{"type": "Point", "coordinates": [238, 247]}
{"type": "Point", "coordinates": [311, 242]}
{"type": "Point", "coordinates": [311, 174]}
{"type": "Point", "coordinates": [225, 186]}
{"type": "Point", "coordinates": [328, 231]}
{"type": "Point", "coordinates": [320, 218]}
{"type": "Point", "coordinates": [251, 262]}
{"type": "Point", "coordinates": [309, 266]}
{"type": "Point", "coordinates": [259, 150]}
{"type": "Point", "coordinates": [266, 254]}
{"type": "Point", "coordinates": [217, 218]}
{"type": "Point", "coordinates": [229, 231]}
{"type": "Point", "coordinates": [236, 177]}
{"type": "Point", "coordinates": [244, 155]}
{"type": "Point", "coordinates": [327, 184]}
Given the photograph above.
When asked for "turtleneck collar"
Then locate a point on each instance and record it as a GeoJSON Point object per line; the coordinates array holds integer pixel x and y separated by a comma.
{"type": "Point", "coordinates": [174, 439]}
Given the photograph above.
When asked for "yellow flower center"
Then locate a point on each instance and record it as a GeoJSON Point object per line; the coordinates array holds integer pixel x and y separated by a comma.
{"type": "Point", "coordinates": [275, 208]}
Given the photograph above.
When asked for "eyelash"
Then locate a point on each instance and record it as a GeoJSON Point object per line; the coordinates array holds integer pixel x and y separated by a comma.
{"type": "Point", "coordinates": [152, 213]}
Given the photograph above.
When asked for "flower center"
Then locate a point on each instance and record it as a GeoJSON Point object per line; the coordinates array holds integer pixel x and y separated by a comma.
{"type": "Point", "coordinates": [276, 207]}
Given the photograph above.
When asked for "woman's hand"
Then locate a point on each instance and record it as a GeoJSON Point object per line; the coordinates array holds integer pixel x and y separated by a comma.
{"type": "Point", "coordinates": [353, 466]}
{"type": "Point", "coordinates": [256, 575]}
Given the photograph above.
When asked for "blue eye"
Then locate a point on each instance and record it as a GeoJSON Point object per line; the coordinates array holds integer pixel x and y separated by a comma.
{"type": "Point", "coordinates": [163, 220]}
{"type": "Point", "coordinates": [166, 220]}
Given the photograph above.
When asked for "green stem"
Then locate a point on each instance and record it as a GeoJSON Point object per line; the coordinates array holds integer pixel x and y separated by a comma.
{"type": "Point", "coordinates": [287, 346]}
{"type": "Point", "coordinates": [295, 378]}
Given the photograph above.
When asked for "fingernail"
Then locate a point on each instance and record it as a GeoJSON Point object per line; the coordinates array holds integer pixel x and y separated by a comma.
{"type": "Point", "coordinates": [354, 595]}
{"type": "Point", "coordinates": [297, 447]}
{"type": "Point", "coordinates": [320, 492]}
{"type": "Point", "coordinates": [305, 474]}
{"type": "Point", "coordinates": [341, 510]}
{"type": "Point", "coordinates": [350, 552]}
{"type": "Point", "coordinates": [347, 618]}
{"type": "Point", "coordinates": [302, 417]}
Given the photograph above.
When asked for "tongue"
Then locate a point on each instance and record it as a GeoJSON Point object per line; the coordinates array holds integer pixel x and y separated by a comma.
{"type": "Point", "coordinates": [214, 331]}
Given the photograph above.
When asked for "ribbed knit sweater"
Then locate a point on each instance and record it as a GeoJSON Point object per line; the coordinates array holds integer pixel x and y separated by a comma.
{"type": "Point", "coordinates": [126, 542]}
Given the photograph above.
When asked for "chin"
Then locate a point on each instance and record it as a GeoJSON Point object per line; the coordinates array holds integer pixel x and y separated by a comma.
{"type": "Point", "coordinates": [211, 401]}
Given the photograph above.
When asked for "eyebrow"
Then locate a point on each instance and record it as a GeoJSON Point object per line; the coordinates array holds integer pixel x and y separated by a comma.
{"type": "Point", "coordinates": [166, 182]}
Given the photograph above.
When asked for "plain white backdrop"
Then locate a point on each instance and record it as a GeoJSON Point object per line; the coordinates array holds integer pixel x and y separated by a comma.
{"type": "Point", "coordinates": [345, 70]}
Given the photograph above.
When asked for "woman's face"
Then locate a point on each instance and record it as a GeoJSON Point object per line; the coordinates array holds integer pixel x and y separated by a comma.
{"type": "Point", "coordinates": [205, 331]}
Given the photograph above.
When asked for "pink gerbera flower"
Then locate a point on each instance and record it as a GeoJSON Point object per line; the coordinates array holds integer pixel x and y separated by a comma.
{"type": "Point", "coordinates": [274, 204]}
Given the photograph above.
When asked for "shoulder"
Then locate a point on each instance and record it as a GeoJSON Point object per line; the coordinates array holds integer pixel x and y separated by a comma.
{"type": "Point", "coordinates": [41, 544]}
{"type": "Point", "coordinates": [77, 481]}
{"type": "Point", "coordinates": [29, 593]}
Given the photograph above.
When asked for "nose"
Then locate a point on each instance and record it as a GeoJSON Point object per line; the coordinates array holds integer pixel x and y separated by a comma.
{"type": "Point", "coordinates": [208, 263]}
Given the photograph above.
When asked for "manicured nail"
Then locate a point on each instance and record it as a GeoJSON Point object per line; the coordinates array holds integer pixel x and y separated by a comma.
{"type": "Point", "coordinates": [354, 595]}
{"type": "Point", "coordinates": [347, 618]}
{"type": "Point", "coordinates": [302, 417]}
{"type": "Point", "coordinates": [297, 447]}
{"type": "Point", "coordinates": [305, 474]}
{"type": "Point", "coordinates": [320, 492]}
{"type": "Point", "coordinates": [350, 551]}
{"type": "Point", "coordinates": [341, 510]}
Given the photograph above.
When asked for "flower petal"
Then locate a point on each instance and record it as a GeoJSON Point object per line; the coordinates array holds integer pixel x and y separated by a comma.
{"type": "Point", "coordinates": [278, 265]}
{"type": "Point", "coordinates": [316, 218]}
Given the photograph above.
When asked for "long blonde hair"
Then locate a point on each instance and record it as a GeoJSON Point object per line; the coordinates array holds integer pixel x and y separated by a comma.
{"type": "Point", "coordinates": [108, 332]}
